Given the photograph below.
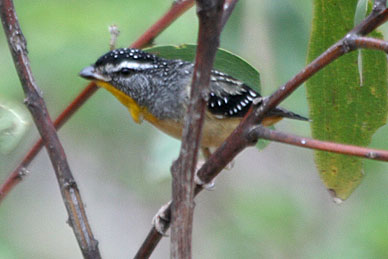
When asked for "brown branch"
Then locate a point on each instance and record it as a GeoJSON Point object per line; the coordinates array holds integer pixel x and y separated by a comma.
{"type": "Point", "coordinates": [238, 140]}
{"type": "Point", "coordinates": [377, 17]}
{"type": "Point", "coordinates": [36, 105]}
{"type": "Point", "coordinates": [371, 43]}
{"type": "Point", "coordinates": [171, 15]}
{"type": "Point", "coordinates": [228, 9]}
{"type": "Point", "coordinates": [274, 135]}
{"type": "Point", "coordinates": [176, 10]}
{"type": "Point", "coordinates": [183, 170]}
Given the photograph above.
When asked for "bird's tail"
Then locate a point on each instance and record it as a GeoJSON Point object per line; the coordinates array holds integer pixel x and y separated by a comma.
{"type": "Point", "coordinates": [281, 112]}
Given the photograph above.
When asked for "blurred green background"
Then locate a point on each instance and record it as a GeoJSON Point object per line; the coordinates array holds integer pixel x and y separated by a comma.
{"type": "Point", "coordinates": [270, 205]}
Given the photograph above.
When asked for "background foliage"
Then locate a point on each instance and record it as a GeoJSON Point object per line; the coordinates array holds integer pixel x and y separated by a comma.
{"type": "Point", "coordinates": [271, 204]}
{"type": "Point", "coordinates": [348, 99]}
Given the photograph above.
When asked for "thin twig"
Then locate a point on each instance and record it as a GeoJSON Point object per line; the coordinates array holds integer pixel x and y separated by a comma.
{"type": "Point", "coordinates": [176, 10]}
{"type": "Point", "coordinates": [170, 16]}
{"type": "Point", "coordinates": [114, 35]}
{"type": "Point", "coordinates": [35, 103]}
{"type": "Point", "coordinates": [377, 17]}
{"type": "Point", "coordinates": [240, 139]}
{"type": "Point", "coordinates": [183, 170]}
{"type": "Point", "coordinates": [274, 135]}
{"type": "Point", "coordinates": [228, 9]}
{"type": "Point", "coordinates": [371, 43]}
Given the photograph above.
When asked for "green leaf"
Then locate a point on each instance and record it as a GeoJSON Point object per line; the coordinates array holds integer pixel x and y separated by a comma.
{"type": "Point", "coordinates": [13, 125]}
{"type": "Point", "coordinates": [347, 99]}
{"type": "Point", "coordinates": [225, 61]}
{"type": "Point", "coordinates": [361, 10]}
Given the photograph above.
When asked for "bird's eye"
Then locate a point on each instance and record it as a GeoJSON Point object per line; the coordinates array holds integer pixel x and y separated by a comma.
{"type": "Point", "coordinates": [125, 71]}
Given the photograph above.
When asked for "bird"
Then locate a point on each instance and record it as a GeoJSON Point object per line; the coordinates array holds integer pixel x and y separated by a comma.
{"type": "Point", "coordinates": [157, 90]}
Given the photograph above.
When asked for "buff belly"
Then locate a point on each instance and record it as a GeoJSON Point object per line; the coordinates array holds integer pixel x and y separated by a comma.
{"type": "Point", "coordinates": [214, 132]}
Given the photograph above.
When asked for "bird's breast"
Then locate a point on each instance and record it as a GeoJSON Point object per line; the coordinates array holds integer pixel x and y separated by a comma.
{"type": "Point", "coordinates": [137, 112]}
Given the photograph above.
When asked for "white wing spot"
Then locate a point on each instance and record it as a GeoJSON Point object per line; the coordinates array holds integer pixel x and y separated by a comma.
{"type": "Point", "coordinates": [252, 93]}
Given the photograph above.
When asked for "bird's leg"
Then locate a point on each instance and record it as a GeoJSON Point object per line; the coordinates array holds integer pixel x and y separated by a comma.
{"type": "Point", "coordinates": [161, 220]}
{"type": "Point", "coordinates": [206, 154]}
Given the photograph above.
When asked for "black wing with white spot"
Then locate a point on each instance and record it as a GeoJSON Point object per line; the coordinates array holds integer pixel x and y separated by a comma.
{"type": "Point", "coordinates": [229, 97]}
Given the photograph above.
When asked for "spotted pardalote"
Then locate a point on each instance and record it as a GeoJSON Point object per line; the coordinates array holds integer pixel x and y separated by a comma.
{"type": "Point", "coordinates": [157, 90]}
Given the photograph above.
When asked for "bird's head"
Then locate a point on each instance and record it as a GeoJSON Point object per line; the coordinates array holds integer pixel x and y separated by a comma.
{"type": "Point", "coordinates": [121, 64]}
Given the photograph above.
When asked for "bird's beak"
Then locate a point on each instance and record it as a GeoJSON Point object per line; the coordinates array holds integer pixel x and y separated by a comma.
{"type": "Point", "coordinates": [91, 74]}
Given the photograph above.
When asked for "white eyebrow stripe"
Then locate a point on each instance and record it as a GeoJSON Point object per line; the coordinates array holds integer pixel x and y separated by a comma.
{"type": "Point", "coordinates": [134, 65]}
{"type": "Point", "coordinates": [130, 65]}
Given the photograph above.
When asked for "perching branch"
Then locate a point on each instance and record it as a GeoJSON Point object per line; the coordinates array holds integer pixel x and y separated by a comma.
{"type": "Point", "coordinates": [176, 10]}
{"type": "Point", "coordinates": [240, 138]}
{"type": "Point", "coordinates": [274, 135]}
{"type": "Point", "coordinates": [371, 43]}
{"type": "Point", "coordinates": [183, 170]}
{"type": "Point", "coordinates": [36, 105]}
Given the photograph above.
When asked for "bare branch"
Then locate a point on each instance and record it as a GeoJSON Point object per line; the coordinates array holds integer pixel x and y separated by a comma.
{"type": "Point", "coordinates": [374, 20]}
{"type": "Point", "coordinates": [151, 241]}
{"type": "Point", "coordinates": [171, 15]}
{"type": "Point", "coordinates": [176, 10]}
{"type": "Point", "coordinates": [35, 103]}
{"type": "Point", "coordinates": [114, 34]}
{"type": "Point", "coordinates": [183, 170]}
{"type": "Point", "coordinates": [228, 9]}
{"type": "Point", "coordinates": [371, 43]}
{"type": "Point", "coordinates": [273, 135]}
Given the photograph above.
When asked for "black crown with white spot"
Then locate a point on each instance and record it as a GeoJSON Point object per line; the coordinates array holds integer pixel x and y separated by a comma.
{"type": "Point", "coordinates": [116, 56]}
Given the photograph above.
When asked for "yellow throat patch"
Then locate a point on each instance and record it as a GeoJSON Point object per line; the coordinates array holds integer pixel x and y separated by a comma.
{"type": "Point", "coordinates": [137, 112]}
